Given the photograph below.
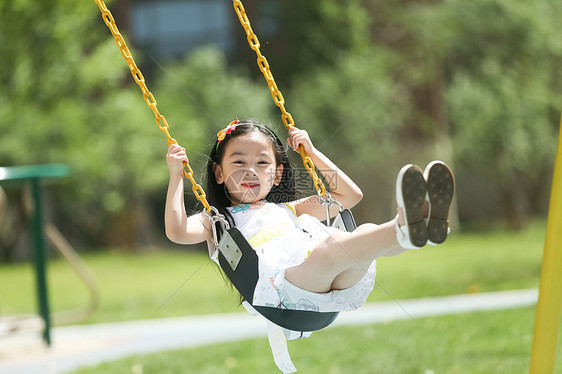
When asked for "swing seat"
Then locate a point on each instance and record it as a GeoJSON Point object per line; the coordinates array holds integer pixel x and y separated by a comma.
{"type": "Point", "coordinates": [344, 221]}
{"type": "Point", "coordinates": [239, 262]}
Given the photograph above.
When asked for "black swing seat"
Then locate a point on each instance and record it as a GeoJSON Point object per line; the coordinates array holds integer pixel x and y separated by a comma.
{"type": "Point", "coordinates": [239, 261]}
{"type": "Point", "coordinates": [344, 221]}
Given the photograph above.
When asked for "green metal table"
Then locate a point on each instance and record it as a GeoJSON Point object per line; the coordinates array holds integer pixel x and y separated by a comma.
{"type": "Point", "coordinates": [34, 174]}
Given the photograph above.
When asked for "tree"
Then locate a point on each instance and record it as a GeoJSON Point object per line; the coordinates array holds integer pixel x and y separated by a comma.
{"type": "Point", "coordinates": [62, 83]}
{"type": "Point", "coordinates": [68, 97]}
{"type": "Point", "coordinates": [353, 112]}
{"type": "Point", "coordinates": [500, 63]}
{"type": "Point", "coordinates": [478, 80]}
{"type": "Point", "coordinates": [313, 34]}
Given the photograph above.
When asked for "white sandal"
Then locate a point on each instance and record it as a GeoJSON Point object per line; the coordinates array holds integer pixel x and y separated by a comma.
{"type": "Point", "coordinates": [440, 190]}
{"type": "Point", "coordinates": [411, 191]}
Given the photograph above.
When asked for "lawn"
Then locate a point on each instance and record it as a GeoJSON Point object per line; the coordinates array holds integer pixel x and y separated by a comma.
{"type": "Point", "coordinates": [175, 283]}
{"type": "Point", "coordinates": [496, 342]}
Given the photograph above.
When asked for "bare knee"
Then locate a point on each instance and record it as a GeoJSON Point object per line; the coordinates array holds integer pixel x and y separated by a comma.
{"type": "Point", "coordinates": [366, 226]}
{"type": "Point", "coordinates": [318, 272]}
{"type": "Point", "coordinates": [331, 251]}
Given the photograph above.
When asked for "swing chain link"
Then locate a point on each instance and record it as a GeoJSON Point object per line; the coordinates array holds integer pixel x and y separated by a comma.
{"type": "Point", "coordinates": [161, 120]}
{"type": "Point", "coordinates": [214, 218]}
{"type": "Point", "coordinates": [276, 95]}
{"type": "Point", "coordinates": [149, 98]}
{"type": "Point", "coordinates": [329, 202]}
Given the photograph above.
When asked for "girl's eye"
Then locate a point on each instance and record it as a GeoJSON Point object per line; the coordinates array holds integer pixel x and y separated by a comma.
{"type": "Point", "coordinates": [238, 162]}
{"type": "Point", "coordinates": [263, 162]}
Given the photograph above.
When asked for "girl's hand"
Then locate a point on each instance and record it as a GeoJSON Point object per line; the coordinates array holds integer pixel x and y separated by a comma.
{"type": "Point", "coordinates": [175, 158]}
{"type": "Point", "coordinates": [299, 137]}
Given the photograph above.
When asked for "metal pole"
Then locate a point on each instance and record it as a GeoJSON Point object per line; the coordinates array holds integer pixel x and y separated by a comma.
{"type": "Point", "coordinates": [549, 307]}
{"type": "Point", "coordinates": [39, 256]}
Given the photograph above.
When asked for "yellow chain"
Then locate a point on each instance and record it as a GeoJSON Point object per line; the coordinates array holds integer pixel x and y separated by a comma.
{"type": "Point", "coordinates": [149, 98]}
{"type": "Point", "coordinates": [275, 93]}
{"type": "Point", "coordinates": [161, 120]}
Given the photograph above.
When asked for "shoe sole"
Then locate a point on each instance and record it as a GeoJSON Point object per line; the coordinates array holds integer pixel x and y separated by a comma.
{"type": "Point", "coordinates": [440, 191]}
{"type": "Point", "coordinates": [411, 191]}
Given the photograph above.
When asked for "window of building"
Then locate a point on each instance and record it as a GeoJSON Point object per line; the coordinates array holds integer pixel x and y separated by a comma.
{"type": "Point", "coordinates": [173, 28]}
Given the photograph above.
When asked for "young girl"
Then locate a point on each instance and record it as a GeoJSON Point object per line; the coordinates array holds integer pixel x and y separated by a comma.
{"type": "Point", "coordinates": [304, 264]}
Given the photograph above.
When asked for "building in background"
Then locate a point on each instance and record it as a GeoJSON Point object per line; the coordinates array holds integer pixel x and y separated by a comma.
{"type": "Point", "coordinates": [173, 28]}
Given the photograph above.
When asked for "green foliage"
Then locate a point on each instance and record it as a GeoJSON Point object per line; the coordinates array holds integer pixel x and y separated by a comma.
{"type": "Point", "coordinates": [319, 32]}
{"type": "Point", "coordinates": [201, 94]}
{"type": "Point", "coordinates": [372, 81]}
{"type": "Point", "coordinates": [478, 80]}
{"type": "Point", "coordinates": [62, 81]}
{"type": "Point", "coordinates": [500, 59]}
{"type": "Point", "coordinates": [68, 98]}
{"type": "Point", "coordinates": [464, 34]}
{"type": "Point", "coordinates": [503, 89]}
{"type": "Point", "coordinates": [355, 111]}
{"type": "Point", "coordinates": [458, 76]}
{"type": "Point", "coordinates": [507, 115]}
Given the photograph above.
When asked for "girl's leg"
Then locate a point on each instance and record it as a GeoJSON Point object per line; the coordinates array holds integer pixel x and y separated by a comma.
{"type": "Point", "coordinates": [341, 260]}
{"type": "Point", "coordinates": [351, 276]}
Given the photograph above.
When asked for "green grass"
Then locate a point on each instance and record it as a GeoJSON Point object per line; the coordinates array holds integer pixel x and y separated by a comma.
{"type": "Point", "coordinates": [137, 287]}
{"type": "Point", "coordinates": [474, 343]}
{"type": "Point", "coordinates": [472, 262]}
{"type": "Point", "coordinates": [130, 286]}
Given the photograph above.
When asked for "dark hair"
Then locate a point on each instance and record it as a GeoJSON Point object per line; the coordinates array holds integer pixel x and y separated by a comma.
{"type": "Point", "coordinates": [217, 195]}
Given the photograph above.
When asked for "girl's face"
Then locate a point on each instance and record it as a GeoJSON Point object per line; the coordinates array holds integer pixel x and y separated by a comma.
{"type": "Point", "coordinates": [248, 168]}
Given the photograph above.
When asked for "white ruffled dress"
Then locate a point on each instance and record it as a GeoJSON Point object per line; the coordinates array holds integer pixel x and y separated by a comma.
{"type": "Point", "coordinates": [283, 240]}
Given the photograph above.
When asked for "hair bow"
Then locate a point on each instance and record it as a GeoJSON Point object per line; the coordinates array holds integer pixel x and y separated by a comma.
{"type": "Point", "coordinates": [224, 132]}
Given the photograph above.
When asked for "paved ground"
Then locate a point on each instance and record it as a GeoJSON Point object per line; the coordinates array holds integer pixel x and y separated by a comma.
{"type": "Point", "coordinates": [79, 346]}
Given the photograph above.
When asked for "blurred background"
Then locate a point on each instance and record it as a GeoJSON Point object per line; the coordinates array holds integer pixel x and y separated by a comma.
{"type": "Point", "coordinates": [377, 85]}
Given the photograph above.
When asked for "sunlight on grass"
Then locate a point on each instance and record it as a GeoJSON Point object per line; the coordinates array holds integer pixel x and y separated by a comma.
{"type": "Point", "coordinates": [175, 283]}
{"type": "Point", "coordinates": [154, 285]}
{"type": "Point", "coordinates": [178, 283]}
{"type": "Point", "coordinates": [473, 343]}
{"type": "Point", "coordinates": [465, 263]}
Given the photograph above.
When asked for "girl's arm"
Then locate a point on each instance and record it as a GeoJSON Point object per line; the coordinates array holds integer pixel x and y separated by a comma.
{"type": "Point", "coordinates": [342, 188]}
{"type": "Point", "coordinates": [179, 227]}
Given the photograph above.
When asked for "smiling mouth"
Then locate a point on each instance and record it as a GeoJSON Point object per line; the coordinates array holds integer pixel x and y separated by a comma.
{"type": "Point", "coordinates": [250, 185]}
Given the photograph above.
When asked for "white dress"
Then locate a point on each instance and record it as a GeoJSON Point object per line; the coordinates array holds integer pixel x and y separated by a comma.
{"type": "Point", "coordinates": [283, 240]}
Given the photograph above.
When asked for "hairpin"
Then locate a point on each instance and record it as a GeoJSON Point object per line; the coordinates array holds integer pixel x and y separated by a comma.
{"type": "Point", "coordinates": [227, 130]}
